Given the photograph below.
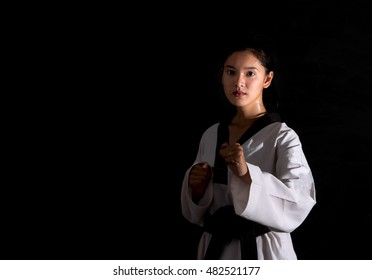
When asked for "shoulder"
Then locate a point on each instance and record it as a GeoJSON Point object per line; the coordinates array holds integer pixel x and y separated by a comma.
{"type": "Point", "coordinates": [278, 130]}
{"type": "Point", "coordinates": [211, 131]}
{"type": "Point", "coordinates": [276, 124]}
{"type": "Point", "coordinates": [287, 130]}
{"type": "Point", "coordinates": [281, 127]}
{"type": "Point", "coordinates": [285, 133]}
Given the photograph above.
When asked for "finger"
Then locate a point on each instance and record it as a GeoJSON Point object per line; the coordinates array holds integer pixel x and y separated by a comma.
{"type": "Point", "coordinates": [227, 152]}
{"type": "Point", "coordinates": [195, 183]}
{"type": "Point", "coordinates": [234, 160]}
{"type": "Point", "coordinates": [234, 153]}
{"type": "Point", "coordinates": [204, 165]}
{"type": "Point", "coordinates": [224, 145]}
{"type": "Point", "coordinates": [199, 171]}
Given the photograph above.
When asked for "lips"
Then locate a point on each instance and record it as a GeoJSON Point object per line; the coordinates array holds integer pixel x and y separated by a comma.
{"type": "Point", "coordinates": [238, 93]}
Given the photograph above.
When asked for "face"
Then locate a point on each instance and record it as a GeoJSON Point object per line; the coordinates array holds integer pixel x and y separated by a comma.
{"type": "Point", "coordinates": [244, 79]}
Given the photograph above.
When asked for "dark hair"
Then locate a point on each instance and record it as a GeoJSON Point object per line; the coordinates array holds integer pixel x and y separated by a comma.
{"type": "Point", "coordinates": [265, 50]}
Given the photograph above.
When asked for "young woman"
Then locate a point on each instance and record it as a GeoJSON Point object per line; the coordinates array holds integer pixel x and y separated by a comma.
{"type": "Point", "coordinates": [250, 185]}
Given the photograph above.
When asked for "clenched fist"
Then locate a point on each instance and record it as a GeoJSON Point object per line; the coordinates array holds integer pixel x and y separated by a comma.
{"type": "Point", "coordinates": [233, 154]}
{"type": "Point", "coordinates": [199, 177]}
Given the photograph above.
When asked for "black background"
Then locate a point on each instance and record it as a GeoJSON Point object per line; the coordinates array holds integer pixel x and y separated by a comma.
{"type": "Point", "coordinates": [99, 153]}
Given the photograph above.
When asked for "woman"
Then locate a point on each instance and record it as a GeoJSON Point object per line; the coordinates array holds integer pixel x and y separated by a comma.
{"type": "Point", "coordinates": [250, 185]}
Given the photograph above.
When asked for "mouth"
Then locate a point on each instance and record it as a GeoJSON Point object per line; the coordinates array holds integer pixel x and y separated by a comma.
{"type": "Point", "coordinates": [238, 93]}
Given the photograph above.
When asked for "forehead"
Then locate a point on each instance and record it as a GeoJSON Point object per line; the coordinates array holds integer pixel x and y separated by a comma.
{"type": "Point", "coordinates": [241, 59]}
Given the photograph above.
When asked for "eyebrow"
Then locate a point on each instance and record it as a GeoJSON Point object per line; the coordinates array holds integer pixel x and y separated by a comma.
{"type": "Point", "coordinates": [245, 68]}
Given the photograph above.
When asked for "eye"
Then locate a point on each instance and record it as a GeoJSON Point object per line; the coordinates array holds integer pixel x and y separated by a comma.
{"type": "Point", "coordinates": [230, 72]}
{"type": "Point", "coordinates": [250, 74]}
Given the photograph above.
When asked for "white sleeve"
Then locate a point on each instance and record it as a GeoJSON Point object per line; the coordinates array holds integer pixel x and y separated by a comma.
{"type": "Point", "coordinates": [191, 211]}
{"type": "Point", "coordinates": [281, 201]}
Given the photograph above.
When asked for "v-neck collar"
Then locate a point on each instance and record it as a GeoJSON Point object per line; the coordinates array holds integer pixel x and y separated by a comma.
{"type": "Point", "coordinates": [220, 167]}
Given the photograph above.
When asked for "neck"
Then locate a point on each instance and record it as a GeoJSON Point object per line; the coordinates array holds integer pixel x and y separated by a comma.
{"type": "Point", "coordinates": [247, 117]}
{"type": "Point", "coordinates": [246, 120]}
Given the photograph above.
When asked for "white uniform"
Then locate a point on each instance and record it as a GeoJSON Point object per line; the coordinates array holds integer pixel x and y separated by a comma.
{"type": "Point", "coordinates": [281, 195]}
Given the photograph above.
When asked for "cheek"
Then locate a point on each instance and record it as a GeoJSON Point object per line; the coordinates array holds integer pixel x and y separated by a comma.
{"type": "Point", "coordinates": [226, 88]}
{"type": "Point", "coordinates": [227, 82]}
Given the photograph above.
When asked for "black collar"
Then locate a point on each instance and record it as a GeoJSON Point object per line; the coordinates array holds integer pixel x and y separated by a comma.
{"type": "Point", "coordinates": [220, 167]}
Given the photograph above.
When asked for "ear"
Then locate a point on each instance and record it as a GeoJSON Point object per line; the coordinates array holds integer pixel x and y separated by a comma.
{"type": "Point", "coordinates": [269, 77]}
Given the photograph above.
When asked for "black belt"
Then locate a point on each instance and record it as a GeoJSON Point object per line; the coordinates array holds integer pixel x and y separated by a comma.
{"type": "Point", "coordinates": [224, 225]}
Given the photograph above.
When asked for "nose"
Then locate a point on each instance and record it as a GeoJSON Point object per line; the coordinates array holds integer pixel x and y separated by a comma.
{"type": "Point", "coordinates": [239, 82]}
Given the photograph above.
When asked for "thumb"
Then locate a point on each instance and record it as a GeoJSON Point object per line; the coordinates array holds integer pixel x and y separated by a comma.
{"type": "Point", "coordinates": [224, 145]}
{"type": "Point", "coordinates": [203, 165]}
